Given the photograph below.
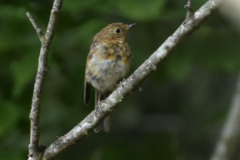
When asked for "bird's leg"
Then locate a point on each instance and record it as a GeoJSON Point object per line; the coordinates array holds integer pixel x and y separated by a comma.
{"type": "Point", "coordinates": [99, 99]}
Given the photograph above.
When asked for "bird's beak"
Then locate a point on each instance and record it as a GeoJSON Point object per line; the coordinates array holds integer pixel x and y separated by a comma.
{"type": "Point", "coordinates": [130, 25]}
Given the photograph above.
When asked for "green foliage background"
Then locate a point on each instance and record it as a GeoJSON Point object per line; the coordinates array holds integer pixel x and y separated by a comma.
{"type": "Point", "coordinates": [177, 115]}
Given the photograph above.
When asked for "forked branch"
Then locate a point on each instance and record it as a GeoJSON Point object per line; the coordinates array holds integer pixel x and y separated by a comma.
{"type": "Point", "coordinates": [35, 151]}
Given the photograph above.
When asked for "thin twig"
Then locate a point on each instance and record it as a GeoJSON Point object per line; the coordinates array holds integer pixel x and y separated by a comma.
{"type": "Point", "coordinates": [133, 82]}
{"type": "Point", "coordinates": [57, 4]}
{"type": "Point", "coordinates": [38, 30]}
{"type": "Point", "coordinates": [34, 149]}
{"type": "Point", "coordinates": [226, 148]}
{"type": "Point", "coordinates": [189, 9]}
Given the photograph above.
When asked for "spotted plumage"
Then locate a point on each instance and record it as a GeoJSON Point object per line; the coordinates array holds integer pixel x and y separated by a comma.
{"type": "Point", "coordinates": [108, 62]}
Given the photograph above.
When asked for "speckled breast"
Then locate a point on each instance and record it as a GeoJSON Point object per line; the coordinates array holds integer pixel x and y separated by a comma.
{"type": "Point", "coordinates": [107, 63]}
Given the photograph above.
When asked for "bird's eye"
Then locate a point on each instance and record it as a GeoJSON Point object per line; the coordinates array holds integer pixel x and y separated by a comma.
{"type": "Point", "coordinates": [117, 31]}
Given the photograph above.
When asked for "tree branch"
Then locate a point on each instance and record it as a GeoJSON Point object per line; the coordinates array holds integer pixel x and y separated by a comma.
{"type": "Point", "coordinates": [134, 81]}
{"type": "Point", "coordinates": [190, 12]}
{"type": "Point", "coordinates": [34, 149]}
{"type": "Point", "coordinates": [229, 141]}
{"type": "Point", "coordinates": [38, 30]}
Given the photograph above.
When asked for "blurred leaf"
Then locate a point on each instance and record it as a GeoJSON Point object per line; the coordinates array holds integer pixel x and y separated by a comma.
{"type": "Point", "coordinates": [85, 32]}
{"type": "Point", "coordinates": [141, 10]}
{"type": "Point", "coordinates": [6, 12]}
{"type": "Point", "coordinates": [11, 20]}
{"type": "Point", "coordinates": [178, 68]}
{"type": "Point", "coordinates": [96, 6]}
{"type": "Point", "coordinates": [16, 155]}
{"type": "Point", "coordinates": [23, 72]}
{"type": "Point", "coordinates": [76, 5]}
{"type": "Point", "coordinates": [8, 117]}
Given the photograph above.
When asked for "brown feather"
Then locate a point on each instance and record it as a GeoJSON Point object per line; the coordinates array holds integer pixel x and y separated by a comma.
{"type": "Point", "coordinates": [87, 93]}
{"type": "Point", "coordinates": [106, 123]}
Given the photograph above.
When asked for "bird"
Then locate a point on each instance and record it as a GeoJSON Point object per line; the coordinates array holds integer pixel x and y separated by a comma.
{"type": "Point", "coordinates": [108, 62]}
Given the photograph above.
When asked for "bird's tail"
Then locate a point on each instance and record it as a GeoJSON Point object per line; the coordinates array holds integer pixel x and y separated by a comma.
{"type": "Point", "coordinates": [106, 123]}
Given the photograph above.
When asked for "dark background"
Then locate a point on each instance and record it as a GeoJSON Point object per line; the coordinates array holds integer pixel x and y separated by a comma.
{"type": "Point", "coordinates": [177, 115]}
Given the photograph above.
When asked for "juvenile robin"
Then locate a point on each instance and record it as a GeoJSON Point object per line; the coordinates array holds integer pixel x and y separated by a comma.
{"type": "Point", "coordinates": [108, 62]}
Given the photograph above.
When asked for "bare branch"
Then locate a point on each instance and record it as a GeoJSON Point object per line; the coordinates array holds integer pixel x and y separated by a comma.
{"type": "Point", "coordinates": [57, 4]}
{"type": "Point", "coordinates": [34, 149]}
{"type": "Point", "coordinates": [133, 82]}
{"type": "Point", "coordinates": [229, 141]}
{"type": "Point", "coordinates": [190, 12]}
{"type": "Point", "coordinates": [38, 30]}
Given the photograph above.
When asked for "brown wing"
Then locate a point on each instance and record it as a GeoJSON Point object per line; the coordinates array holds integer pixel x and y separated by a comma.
{"type": "Point", "coordinates": [87, 85]}
{"type": "Point", "coordinates": [87, 92]}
